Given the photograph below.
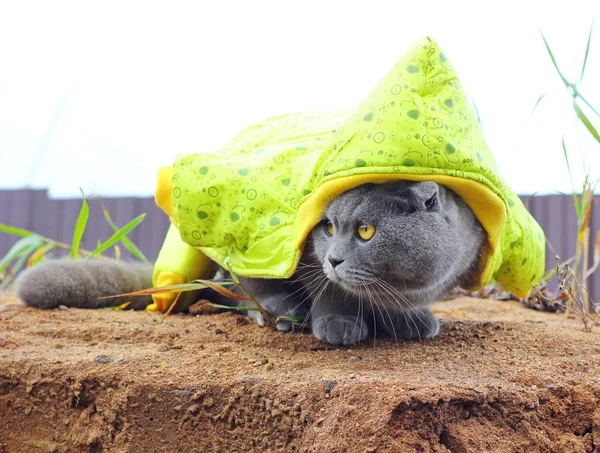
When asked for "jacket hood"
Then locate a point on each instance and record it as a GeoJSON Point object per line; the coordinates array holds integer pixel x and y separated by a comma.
{"type": "Point", "coordinates": [251, 205]}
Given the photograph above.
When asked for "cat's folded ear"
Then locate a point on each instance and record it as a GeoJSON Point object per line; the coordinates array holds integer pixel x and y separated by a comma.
{"type": "Point", "coordinates": [423, 195]}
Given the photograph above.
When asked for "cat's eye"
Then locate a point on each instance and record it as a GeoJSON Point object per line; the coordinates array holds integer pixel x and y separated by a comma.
{"type": "Point", "coordinates": [329, 228]}
{"type": "Point", "coordinates": [366, 232]}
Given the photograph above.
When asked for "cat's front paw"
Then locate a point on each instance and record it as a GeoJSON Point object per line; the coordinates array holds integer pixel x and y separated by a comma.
{"type": "Point", "coordinates": [282, 326]}
{"type": "Point", "coordinates": [418, 324]}
{"type": "Point", "coordinates": [339, 329]}
{"type": "Point", "coordinates": [277, 305]}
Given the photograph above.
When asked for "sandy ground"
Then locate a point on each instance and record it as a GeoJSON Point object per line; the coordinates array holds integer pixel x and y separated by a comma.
{"type": "Point", "coordinates": [500, 378]}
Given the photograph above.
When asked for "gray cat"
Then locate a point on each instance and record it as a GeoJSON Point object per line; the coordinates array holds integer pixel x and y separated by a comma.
{"type": "Point", "coordinates": [380, 256]}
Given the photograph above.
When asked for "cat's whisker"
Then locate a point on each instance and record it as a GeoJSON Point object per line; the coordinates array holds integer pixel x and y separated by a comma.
{"type": "Point", "coordinates": [362, 313]}
{"type": "Point", "coordinates": [312, 272]}
{"type": "Point", "coordinates": [414, 309]}
{"type": "Point", "coordinates": [322, 283]}
{"type": "Point", "coordinates": [317, 286]}
{"type": "Point", "coordinates": [376, 304]}
{"type": "Point", "coordinates": [398, 293]}
{"type": "Point", "coordinates": [408, 315]}
{"type": "Point", "coordinates": [390, 295]}
{"type": "Point", "coordinates": [366, 276]}
{"type": "Point", "coordinates": [372, 311]}
{"type": "Point", "coordinates": [294, 293]}
{"type": "Point", "coordinates": [388, 314]}
{"type": "Point", "coordinates": [315, 301]}
{"type": "Point", "coordinates": [359, 314]}
{"type": "Point", "coordinates": [357, 277]}
{"type": "Point", "coordinates": [403, 301]}
{"type": "Point", "coordinates": [414, 324]}
{"type": "Point", "coordinates": [315, 273]}
{"type": "Point", "coordinates": [361, 310]}
{"type": "Point", "coordinates": [301, 263]}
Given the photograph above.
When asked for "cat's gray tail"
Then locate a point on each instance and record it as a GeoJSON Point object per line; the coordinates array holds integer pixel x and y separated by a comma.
{"type": "Point", "coordinates": [79, 283]}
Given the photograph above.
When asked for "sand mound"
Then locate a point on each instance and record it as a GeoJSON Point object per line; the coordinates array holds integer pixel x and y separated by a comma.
{"type": "Point", "coordinates": [500, 378]}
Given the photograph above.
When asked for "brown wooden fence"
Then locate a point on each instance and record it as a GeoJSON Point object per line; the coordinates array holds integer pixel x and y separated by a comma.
{"type": "Point", "coordinates": [33, 210]}
{"type": "Point", "coordinates": [55, 219]}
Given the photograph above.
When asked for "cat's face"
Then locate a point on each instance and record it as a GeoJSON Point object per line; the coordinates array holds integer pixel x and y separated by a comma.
{"type": "Point", "coordinates": [418, 238]}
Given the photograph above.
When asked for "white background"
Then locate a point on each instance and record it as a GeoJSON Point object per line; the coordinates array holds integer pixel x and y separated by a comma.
{"type": "Point", "coordinates": [99, 95]}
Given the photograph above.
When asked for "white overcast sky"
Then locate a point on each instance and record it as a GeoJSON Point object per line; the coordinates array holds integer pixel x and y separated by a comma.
{"type": "Point", "coordinates": [100, 94]}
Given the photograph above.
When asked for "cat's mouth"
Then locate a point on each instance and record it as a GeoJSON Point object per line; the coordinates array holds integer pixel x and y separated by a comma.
{"type": "Point", "coordinates": [368, 286]}
{"type": "Point", "coordinates": [352, 283]}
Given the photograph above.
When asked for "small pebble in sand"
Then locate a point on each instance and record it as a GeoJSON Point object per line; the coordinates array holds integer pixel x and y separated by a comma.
{"type": "Point", "coordinates": [329, 385]}
{"type": "Point", "coordinates": [102, 358]}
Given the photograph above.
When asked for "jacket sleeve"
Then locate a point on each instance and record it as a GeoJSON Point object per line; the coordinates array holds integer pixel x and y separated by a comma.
{"type": "Point", "coordinates": [177, 263]}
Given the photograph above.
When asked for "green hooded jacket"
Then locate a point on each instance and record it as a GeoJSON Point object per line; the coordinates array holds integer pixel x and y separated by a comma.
{"type": "Point", "coordinates": [250, 205]}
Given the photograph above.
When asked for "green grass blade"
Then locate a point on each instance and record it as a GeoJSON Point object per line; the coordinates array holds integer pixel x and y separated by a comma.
{"type": "Point", "coordinates": [15, 231]}
{"type": "Point", "coordinates": [178, 288]}
{"type": "Point", "coordinates": [82, 218]}
{"type": "Point", "coordinates": [591, 107]}
{"type": "Point", "coordinates": [127, 243]}
{"type": "Point", "coordinates": [118, 307]}
{"type": "Point", "coordinates": [220, 283]}
{"type": "Point", "coordinates": [292, 319]}
{"type": "Point", "coordinates": [587, 50]}
{"type": "Point", "coordinates": [39, 254]}
{"type": "Point", "coordinates": [20, 249]}
{"type": "Point", "coordinates": [575, 199]}
{"type": "Point", "coordinates": [586, 122]}
{"type": "Point", "coordinates": [536, 106]}
{"type": "Point", "coordinates": [118, 236]}
{"type": "Point", "coordinates": [233, 307]}
{"type": "Point", "coordinates": [565, 81]}
{"type": "Point", "coordinates": [549, 274]}
{"type": "Point", "coordinates": [21, 259]}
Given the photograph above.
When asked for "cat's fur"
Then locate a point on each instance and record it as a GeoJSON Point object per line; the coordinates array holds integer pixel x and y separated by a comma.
{"type": "Point", "coordinates": [80, 283]}
{"type": "Point", "coordinates": [427, 242]}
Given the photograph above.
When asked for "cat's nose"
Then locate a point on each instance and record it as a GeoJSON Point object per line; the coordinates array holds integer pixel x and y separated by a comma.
{"type": "Point", "coordinates": [335, 262]}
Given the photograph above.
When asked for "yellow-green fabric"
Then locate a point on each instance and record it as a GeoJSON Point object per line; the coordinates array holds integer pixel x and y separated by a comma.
{"type": "Point", "coordinates": [250, 205]}
{"type": "Point", "coordinates": [177, 263]}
